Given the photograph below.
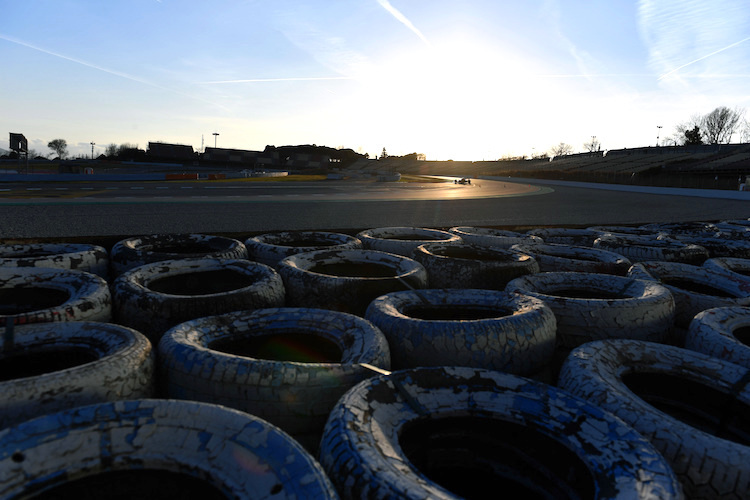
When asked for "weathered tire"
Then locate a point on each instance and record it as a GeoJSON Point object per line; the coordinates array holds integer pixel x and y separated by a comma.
{"type": "Point", "coordinates": [403, 240]}
{"type": "Point", "coordinates": [720, 245]}
{"type": "Point", "coordinates": [488, 237]}
{"type": "Point", "coordinates": [81, 257]}
{"type": "Point", "coordinates": [54, 366]}
{"type": "Point", "coordinates": [42, 295]}
{"type": "Point", "coordinates": [694, 408]}
{"type": "Point", "coordinates": [461, 265]}
{"type": "Point", "coordinates": [155, 297]}
{"type": "Point", "coordinates": [640, 249]}
{"type": "Point", "coordinates": [694, 288]}
{"type": "Point", "coordinates": [134, 252]}
{"type": "Point", "coordinates": [569, 258]}
{"type": "Point", "coordinates": [565, 236]}
{"type": "Point", "coordinates": [347, 280]}
{"type": "Point", "coordinates": [591, 306]}
{"type": "Point", "coordinates": [156, 449]}
{"type": "Point", "coordinates": [270, 248]}
{"type": "Point", "coordinates": [626, 231]}
{"type": "Point", "coordinates": [476, 328]}
{"type": "Point", "coordinates": [722, 332]}
{"type": "Point", "coordinates": [730, 264]}
{"type": "Point", "coordinates": [288, 366]}
{"type": "Point", "coordinates": [675, 229]}
{"type": "Point", "coordinates": [452, 432]}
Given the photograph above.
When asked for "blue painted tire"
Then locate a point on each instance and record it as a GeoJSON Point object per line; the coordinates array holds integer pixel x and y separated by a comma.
{"type": "Point", "coordinates": [80, 257]}
{"type": "Point", "coordinates": [347, 280]}
{"type": "Point", "coordinates": [591, 306]}
{"type": "Point", "coordinates": [270, 248]}
{"type": "Point", "coordinates": [461, 265]}
{"type": "Point", "coordinates": [403, 240]}
{"type": "Point", "coordinates": [155, 297]}
{"type": "Point", "coordinates": [198, 450]}
{"type": "Point", "coordinates": [695, 288]}
{"type": "Point", "coordinates": [488, 237]}
{"type": "Point", "coordinates": [54, 366]}
{"type": "Point", "coordinates": [43, 295]}
{"type": "Point", "coordinates": [218, 360]}
{"type": "Point", "coordinates": [570, 258]}
{"type": "Point", "coordinates": [721, 332]}
{"type": "Point", "coordinates": [691, 406]}
{"type": "Point", "coordinates": [137, 251]}
{"type": "Point", "coordinates": [476, 328]}
{"type": "Point", "coordinates": [450, 432]}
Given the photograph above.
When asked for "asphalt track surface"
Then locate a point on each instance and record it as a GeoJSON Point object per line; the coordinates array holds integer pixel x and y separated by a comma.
{"type": "Point", "coordinates": [71, 210]}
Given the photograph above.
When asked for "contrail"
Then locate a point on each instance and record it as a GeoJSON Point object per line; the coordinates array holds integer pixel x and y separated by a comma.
{"type": "Point", "coordinates": [704, 57]}
{"type": "Point", "coordinates": [297, 79]}
{"type": "Point", "coordinates": [403, 20]}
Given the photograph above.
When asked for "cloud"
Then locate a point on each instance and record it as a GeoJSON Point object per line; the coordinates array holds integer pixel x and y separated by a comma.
{"type": "Point", "coordinates": [403, 20]}
{"type": "Point", "coordinates": [291, 79]}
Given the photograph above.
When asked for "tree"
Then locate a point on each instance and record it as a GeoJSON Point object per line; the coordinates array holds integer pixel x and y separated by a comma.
{"type": "Point", "coordinates": [720, 124]}
{"type": "Point", "coordinates": [59, 146]}
{"type": "Point", "coordinates": [593, 145]}
{"type": "Point", "coordinates": [561, 149]}
{"type": "Point", "coordinates": [384, 154]}
{"type": "Point", "coordinates": [111, 150]}
{"type": "Point", "coordinates": [693, 137]}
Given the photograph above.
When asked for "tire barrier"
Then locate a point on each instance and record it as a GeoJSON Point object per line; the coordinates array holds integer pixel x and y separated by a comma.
{"type": "Point", "coordinates": [569, 258]}
{"type": "Point", "coordinates": [155, 297]}
{"type": "Point", "coordinates": [403, 240]}
{"type": "Point", "coordinates": [476, 328]}
{"type": "Point", "coordinates": [42, 295]}
{"type": "Point", "coordinates": [730, 264]}
{"type": "Point", "coordinates": [54, 366]}
{"type": "Point", "coordinates": [722, 332]}
{"type": "Point", "coordinates": [156, 449]}
{"type": "Point", "coordinates": [288, 366]}
{"type": "Point", "coordinates": [347, 280]}
{"type": "Point", "coordinates": [81, 257]}
{"type": "Point", "coordinates": [640, 249]}
{"type": "Point", "coordinates": [133, 252]}
{"type": "Point", "coordinates": [694, 288]}
{"type": "Point", "coordinates": [625, 231]}
{"type": "Point", "coordinates": [720, 245]}
{"type": "Point", "coordinates": [564, 236]}
{"type": "Point", "coordinates": [451, 432]}
{"type": "Point", "coordinates": [694, 408]}
{"type": "Point", "coordinates": [488, 237]}
{"type": "Point", "coordinates": [591, 306]}
{"type": "Point", "coordinates": [676, 229]}
{"type": "Point", "coordinates": [472, 266]}
{"type": "Point", "coordinates": [270, 248]}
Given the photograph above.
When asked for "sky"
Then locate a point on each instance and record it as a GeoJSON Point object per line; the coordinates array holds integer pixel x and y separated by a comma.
{"type": "Point", "coordinates": [469, 80]}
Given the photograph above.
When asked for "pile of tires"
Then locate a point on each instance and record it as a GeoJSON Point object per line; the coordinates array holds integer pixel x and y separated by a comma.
{"type": "Point", "coordinates": [565, 236]}
{"type": "Point", "coordinates": [476, 328]}
{"type": "Point", "coordinates": [488, 237]}
{"type": "Point", "coordinates": [731, 264]}
{"type": "Point", "coordinates": [723, 332]}
{"type": "Point", "coordinates": [461, 265]}
{"type": "Point", "coordinates": [644, 248]}
{"type": "Point", "coordinates": [270, 248]}
{"type": "Point", "coordinates": [154, 297]}
{"type": "Point", "coordinates": [347, 280]}
{"type": "Point", "coordinates": [403, 240]}
{"type": "Point", "coordinates": [570, 258]}
{"type": "Point", "coordinates": [156, 449]}
{"type": "Point", "coordinates": [694, 408]}
{"type": "Point", "coordinates": [80, 257]}
{"type": "Point", "coordinates": [449, 432]}
{"type": "Point", "coordinates": [137, 251]}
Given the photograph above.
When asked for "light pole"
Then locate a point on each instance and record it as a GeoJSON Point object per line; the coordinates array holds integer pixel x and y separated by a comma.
{"type": "Point", "coordinates": [216, 134]}
{"type": "Point", "coordinates": [658, 133]}
{"type": "Point", "coordinates": [92, 149]}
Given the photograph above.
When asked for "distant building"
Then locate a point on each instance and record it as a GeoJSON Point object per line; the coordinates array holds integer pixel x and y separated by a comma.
{"type": "Point", "coordinates": [161, 151]}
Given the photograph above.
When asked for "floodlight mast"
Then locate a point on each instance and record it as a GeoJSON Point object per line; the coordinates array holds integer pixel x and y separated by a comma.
{"type": "Point", "coordinates": [216, 134]}
{"type": "Point", "coordinates": [92, 149]}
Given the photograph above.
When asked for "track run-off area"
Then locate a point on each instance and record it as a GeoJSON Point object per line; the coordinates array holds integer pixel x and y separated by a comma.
{"type": "Point", "coordinates": [44, 210]}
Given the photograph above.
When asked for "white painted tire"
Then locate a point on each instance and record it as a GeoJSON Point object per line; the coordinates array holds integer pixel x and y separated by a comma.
{"type": "Point", "coordinates": [722, 332]}
{"type": "Point", "coordinates": [451, 432]}
{"type": "Point", "coordinates": [476, 328]}
{"type": "Point", "coordinates": [54, 366]}
{"type": "Point", "coordinates": [566, 236]}
{"type": "Point", "coordinates": [347, 280]}
{"type": "Point", "coordinates": [155, 297]}
{"type": "Point", "coordinates": [640, 249]}
{"type": "Point", "coordinates": [461, 265]}
{"type": "Point", "coordinates": [403, 240]}
{"type": "Point", "coordinates": [137, 251]}
{"type": "Point", "coordinates": [626, 231]}
{"type": "Point", "coordinates": [678, 399]}
{"type": "Point", "coordinates": [156, 448]}
{"type": "Point", "coordinates": [80, 257]}
{"type": "Point", "coordinates": [42, 295]}
{"type": "Point", "coordinates": [721, 245]}
{"type": "Point", "coordinates": [676, 229]}
{"type": "Point", "coordinates": [488, 237]}
{"type": "Point", "coordinates": [288, 366]}
{"type": "Point", "coordinates": [591, 306]}
{"type": "Point", "coordinates": [570, 258]}
{"type": "Point", "coordinates": [270, 248]}
{"type": "Point", "coordinates": [730, 264]}
{"type": "Point", "coordinates": [694, 288]}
